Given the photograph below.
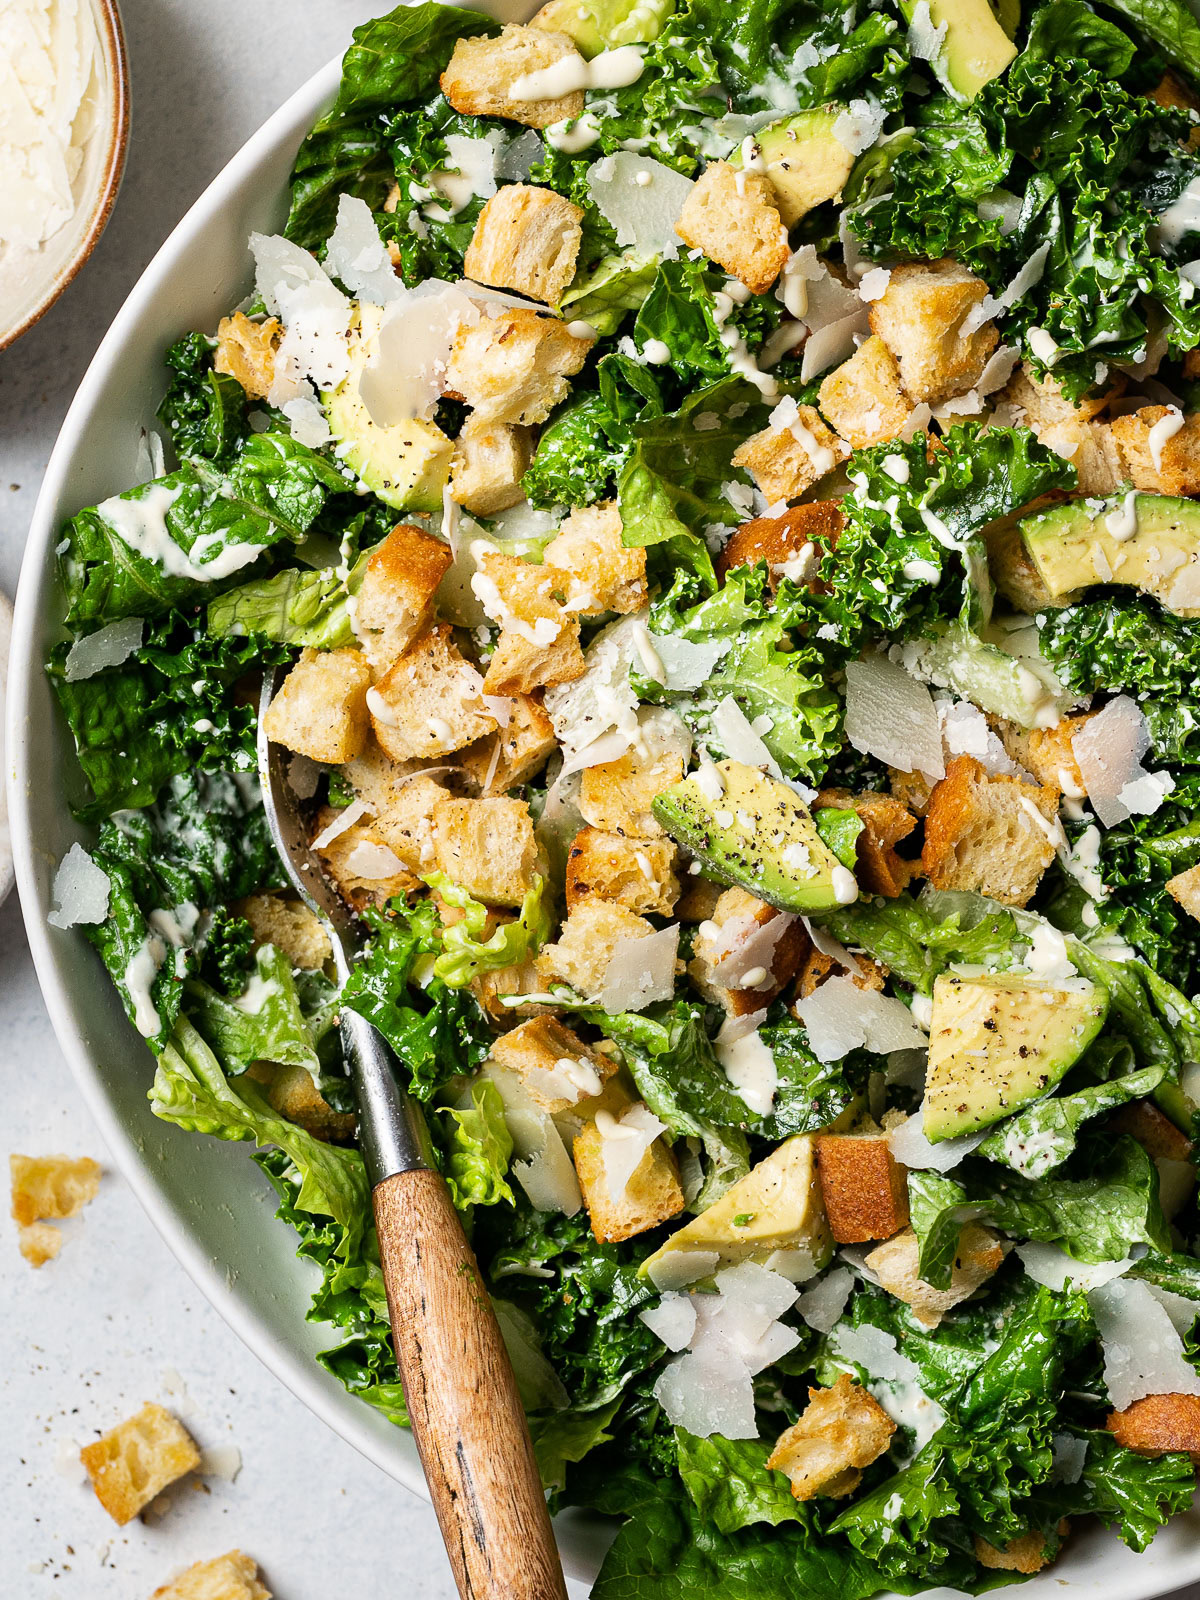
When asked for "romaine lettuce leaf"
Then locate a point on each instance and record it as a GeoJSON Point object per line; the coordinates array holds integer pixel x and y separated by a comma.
{"type": "Point", "coordinates": [465, 954]}
{"type": "Point", "coordinates": [263, 1022]}
{"type": "Point", "coordinates": [1041, 1137]}
{"type": "Point", "coordinates": [729, 1482]}
{"type": "Point", "coordinates": [476, 1148]}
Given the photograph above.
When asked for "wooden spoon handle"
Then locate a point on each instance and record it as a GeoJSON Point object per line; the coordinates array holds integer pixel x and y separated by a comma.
{"type": "Point", "coordinates": [462, 1398]}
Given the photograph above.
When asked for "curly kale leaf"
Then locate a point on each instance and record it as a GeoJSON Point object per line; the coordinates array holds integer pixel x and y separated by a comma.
{"type": "Point", "coordinates": [203, 410]}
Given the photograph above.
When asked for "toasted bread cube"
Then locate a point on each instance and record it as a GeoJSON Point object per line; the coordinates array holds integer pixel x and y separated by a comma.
{"type": "Point", "coordinates": [792, 545]}
{"type": "Point", "coordinates": [246, 351]}
{"type": "Point", "coordinates": [1026, 1555]}
{"type": "Point", "coordinates": [405, 822]}
{"type": "Point", "coordinates": [1091, 448]}
{"type": "Point", "coordinates": [610, 576]}
{"type": "Point", "coordinates": [428, 703]}
{"type": "Point", "coordinates": [1044, 404]}
{"type": "Point", "coordinates": [863, 398]}
{"type": "Point", "coordinates": [738, 966]}
{"type": "Point", "coordinates": [700, 898]}
{"type": "Point", "coordinates": [136, 1460]}
{"type": "Point", "coordinates": [982, 833]}
{"type": "Point", "coordinates": [1184, 889]}
{"type": "Point", "coordinates": [489, 458]}
{"type": "Point", "coordinates": [295, 1096]}
{"type": "Point", "coordinates": [480, 75]}
{"type": "Point", "coordinates": [817, 966]}
{"type": "Point", "coordinates": [38, 1242]}
{"type": "Point", "coordinates": [886, 821]}
{"type": "Point", "coordinates": [1153, 1130]}
{"type": "Point", "coordinates": [636, 873]}
{"type": "Point", "coordinates": [894, 1263]}
{"type": "Point", "coordinates": [864, 1187]}
{"type": "Point", "coordinates": [290, 926]}
{"type": "Point", "coordinates": [51, 1186]}
{"type": "Point", "coordinates": [1174, 94]}
{"type": "Point", "coordinates": [586, 942]}
{"type": "Point", "coordinates": [320, 709]}
{"type": "Point", "coordinates": [616, 796]}
{"type": "Point", "coordinates": [557, 1069]}
{"type": "Point", "coordinates": [514, 367]}
{"type": "Point", "coordinates": [1159, 1423]}
{"type": "Point", "coordinates": [920, 317]}
{"type": "Point", "coordinates": [785, 462]}
{"type": "Point", "coordinates": [233, 1576]}
{"type": "Point", "coordinates": [912, 789]}
{"type": "Point", "coordinates": [487, 847]}
{"type": "Point", "coordinates": [513, 754]}
{"type": "Point", "coordinates": [397, 591]}
{"type": "Point", "coordinates": [539, 639]}
{"type": "Point", "coordinates": [840, 1431]}
{"type": "Point", "coordinates": [652, 1194]}
{"type": "Point", "coordinates": [526, 239]}
{"type": "Point", "coordinates": [362, 866]}
{"type": "Point", "coordinates": [1159, 465]}
{"type": "Point", "coordinates": [1047, 753]}
{"type": "Point", "coordinates": [732, 216]}
{"type": "Point", "coordinates": [1191, 364]}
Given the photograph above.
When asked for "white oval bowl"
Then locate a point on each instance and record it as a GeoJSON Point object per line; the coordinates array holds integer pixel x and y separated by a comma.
{"type": "Point", "coordinates": [208, 1200]}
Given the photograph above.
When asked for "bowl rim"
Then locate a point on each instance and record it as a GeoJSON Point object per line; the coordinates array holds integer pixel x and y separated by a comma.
{"type": "Point", "coordinates": [112, 43]}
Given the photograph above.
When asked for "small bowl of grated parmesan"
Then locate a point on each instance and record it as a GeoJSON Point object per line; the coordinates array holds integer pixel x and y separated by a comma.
{"type": "Point", "coordinates": [64, 126]}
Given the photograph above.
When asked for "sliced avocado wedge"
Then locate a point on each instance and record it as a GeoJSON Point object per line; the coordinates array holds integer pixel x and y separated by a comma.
{"type": "Point", "coordinates": [805, 162]}
{"type": "Point", "coordinates": [597, 25]}
{"type": "Point", "coordinates": [997, 1042]}
{"type": "Point", "coordinates": [406, 465]}
{"type": "Point", "coordinates": [1150, 542]}
{"type": "Point", "coordinates": [758, 834]}
{"type": "Point", "coordinates": [975, 48]}
{"type": "Point", "coordinates": [776, 1206]}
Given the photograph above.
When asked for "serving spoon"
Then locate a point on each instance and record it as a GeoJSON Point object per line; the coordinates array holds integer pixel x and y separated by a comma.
{"type": "Point", "coordinates": [462, 1398]}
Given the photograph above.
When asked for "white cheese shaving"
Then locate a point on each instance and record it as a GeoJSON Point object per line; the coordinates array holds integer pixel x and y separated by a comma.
{"type": "Point", "coordinates": [640, 971]}
{"type": "Point", "coordinates": [315, 316]}
{"type": "Point", "coordinates": [859, 125]}
{"type": "Point", "coordinates": [739, 740]}
{"type": "Point", "coordinates": [642, 199]}
{"type": "Point", "coordinates": [1108, 749]}
{"type": "Point", "coordinates": [873, 285]}
{"type": "Point", "coordinates": [1026, 278]}
{"type": "Point", "coordinates": [405, 370]}
{"type": "Point", "coordinates": [346, 818]}
{"type": "Point", "coordinates": [358, 257]}
{"type": "Point", "coordinates": [371, 863]}
{"type": "Point", "coordinates": [891, 716]}
{"type": "Point", "coordinates": [1143, 1354]}
{"type": "Point", "coordinates": [80, 891]}
{"type": "Point", "coordinates": [601, 701]}
{"type": "Point", "coordinates": [840, 1017]}
{"type": "Point", "coordinates": [688, 664]}
{"type": "Point", "coordinates": [624, 1144]}
{"type": "Point", "coordinates": [1051, 1266]}
{"type": "Point", "coordinates": [924, 40]}
{"type": "Point", "coordinates": [673, 1320]}
{"type": "Point", "coordinates": [912, 1149]}
{"type": "Point", "coordinates": [107, 647]}
{"type": "Point", "coordinates": [892, 1378]}
{"type": "Point", "coordinates": [470, 176]}
{"type": "Point", "coordinates": [823, 1304]}
{"type": "Point", "coordinates": [680, 1267]}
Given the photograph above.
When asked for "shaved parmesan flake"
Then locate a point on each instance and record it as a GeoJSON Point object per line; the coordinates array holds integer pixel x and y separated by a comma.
{"type": "Point", "coordinates": [743, 946]}
{"type": "Point", "coordinates": [1109, 749]}
{"type": "Point", "coordinates": [624, 1144]}
{"type": "Point", "coordinates": [1069, 1455]}
{"type": "Point", "coordinates": [747, 1062]}
{"type": "Point", "coordinates": [307, 423]}
{"type": "Point", "coordinates": [924, 40]}
{"type": "Point", "coordinates": [840, 1017]}
{"type": "Point", "coordinates": [315, 316]}
{"type": "Point", "coordinates": [739, 740]}
{"type": "Point", "coordinates": [373, 862]}
{"type": "Point", "coordinates": [912, 1149]}
{"type": "Point", "coordinates": [599, 702]}
{"type": "Point", "coordinates": [873, 285]}
{"type": "Point", "coordinates": [831, 345]}
{"type": "Point", "coordinates": [640, 971]}
{"type": "Point", "coordinates": [707, 1394]}
{"type": "Point", "coordinates": [858, 127]}
{"type": "Point", "coordinates": [891, 716]}
{"type": "Point", "coordinates": [344, 819]}
{"type": "Point", "coordinates": [688, 664]}
{"type": "Point", "coordinates": [107, 647]}
{"type": "Point", "coordinates": [965, 732]}
{"type": "Point", "coordinates": [1143, 1354]}
{"type": "Point", "coordinates": [680, 1267]}
{"type": "Point", "coordinates": [1026, 278]}
{"type": "Point", "coordinates": [405, 370]}
{"type": "Point", "coordinates": [358, 257]}
{"type": "Point", "coordinates": [80, 892]}
{"type": "Point", "coordinates": [1047, 1264]}
{"type": "Point", "coordinates": [673, 1320]}
{"type": "Point", "coordinates": [642, 199]}
{"type": "Point", "coordinates": [548, 1174]}
{"type": "Point", "coordinates": [474, 177]}
{"type": "Point", "coordinates": [823, 1304]}
{"type": "Point", "coordinates": [222, 1461]}
{"type": "Point", "coordinates": [891, 1377]}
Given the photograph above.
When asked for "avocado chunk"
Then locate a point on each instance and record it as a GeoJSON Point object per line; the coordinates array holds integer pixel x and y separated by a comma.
{"type": "Point", "coordinates": [997, 1042]}
{"type": "Point", "coordinates": [406, 465]}
{"type": "Point", "coordinates": [597, 25]}
{"type": "Point", "coordinates": [776, 1206]}
{"type": "Point", "coordinates": [975, 48]}
{"type": "Point", "coordinates": [1150, 542]}
{"type": "Point", "coordinates": [755, 833]}
{"type": "Point", "coordinates": [1000, 668]}
{"type": "Point", "coordinates": [806, 164]}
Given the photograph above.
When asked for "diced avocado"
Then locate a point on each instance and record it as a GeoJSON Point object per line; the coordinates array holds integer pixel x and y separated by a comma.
{"type": "Point", "coordinates": [1008, 15]}
{"type": "Point", "coordinates": [597, 25]}
{"type": "Point", "coordinates": [1149, 541]}
{"type": "Point", "coordinates": [407, 465]}
{"type": "Point", "coordinates": [1000, 669]}
{"type": "Point", "coordinates": [975, 48]}
{"type": "Point", "coordinates": [776, 1206]}
{"type": "Point", "coordinates": [997, 1042]}
{"type": "Point", "coordinates": [755, 833]}
{"type": "Point", "coordinates": [805, 163]}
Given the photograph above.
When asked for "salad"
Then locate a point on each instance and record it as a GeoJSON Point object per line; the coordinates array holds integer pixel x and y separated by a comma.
{"type": "Point", "coordinates": [722, 483]}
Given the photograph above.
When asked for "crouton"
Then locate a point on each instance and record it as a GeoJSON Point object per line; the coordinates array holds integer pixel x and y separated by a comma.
{"type": "Point", "coordinates": [731, 215]}
{"type": "Point", "coordinates": [513, 754]}
{"type": "Point", "coordinates": [1161, 466]}
{"type": "Point", "coordinates": [616, 796]}
{"type": "Point", "coordinates": [920, 317]}
{"type": "Point", "coordinates": [700, 898]}
{"type": "Point", "coordinates": [480, 76]}
{"type": "Point", "coordinates": [885, 822]}
{"type": "Point", "coordinates": [361, 865]}
{"type": "Point", "coordinates": [1044, 404]}
{"type": "Point", "coordinates": [786, 461]}
{"type": "Point", "coordinates": [246, 351]}
{"type": "Point", "coordinates": [1091, 448]}
{"type": "Point", "coordinates": [539, 639]}
{"type": "Point", "coordinates": [1174, 95]}
{"type": "Point", "coordinates": [492, 988]}
{"type": "Point", "coordinates": [38, 1242]}
{"type": "Point", "coordinates": [290, 926]}
{"type": "Point", "coordinates": [514, 367]}
{"type": "Point", "coordinates": [746, 953]}
{"type": "Point", "coordinates": [863, 399]}
{"type": "Point", "coordinates": [292, 1092]}
{"type": "Point", "coordinates": [51, 1186]}
{"type": "Point", "coordinates": [1191, 364]}
{"type": "Point", "coordinates": [993, 836]}
{"type": "Point", "coordinates": [1153, 1130]}
{"type": "Point", "coordinates": [1026, 1555]}
{"type": "Point", "coordinates": [651, 1195]}
{"type": "Point", "coordinates": [912, 789]}
{"type": "Point", "coordinates": [840, 1431]}
{"type": "Point", "coordinates": [636, 873]}
{"type": "Point", "coordinates": [233, 1576]}
{"type": "Point", "coordinates": [402, 812]}
{"type": "Point", "coordinates": [785, 542]}
{"type": "Point", "coordinates": [1159, 1423]}
{"type": "Point", "coordinates": [864, 1187]}
{"type": "Point", "coordinates": [586, 942]}
{"type": "Point", "coordinates": [487, 847]}
{"type": "Point", "coordinates": [320, 709]}
{"type": "Point", "coordinates": [428, 703]}
{"type": "Point", "coordinates": [817, 966]}
{"type": "Point", "coordinates": [609, 575]}
{"type": "Point", "coordinates": [557, 1069]}
{"type": "Point", "coordinates": [894, 1263]}
{"type": "Point", "coordinates": [1047, 753]}
{"type": "Point", "coordinates": [136, 1460]}
{"type": "Point", "coordinates": [526, 239]}
{"type": "Point", "coordinates": [489, 458]}
{"type": "Point", "coordinates": [397, 591]}
{"type": "Point", "coordinates": [1184, 889]}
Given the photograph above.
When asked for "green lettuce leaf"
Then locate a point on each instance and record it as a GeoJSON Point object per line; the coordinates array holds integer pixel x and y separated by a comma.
{"type": "Point", "coordinates": [203, 410]}
{"type": "Point", "coordinates": [1042, 1136]}
{"type": "Point", "coordinates": [464, 954]}
{"type": "Point", "coordinates": [263, 1022]}
{"type": "Point", "coordinates": [729, 1482]}
{"type": "Point", "coordinates": [477, 1148]}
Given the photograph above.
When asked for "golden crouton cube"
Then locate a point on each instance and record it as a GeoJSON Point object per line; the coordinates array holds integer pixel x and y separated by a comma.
{"type": "Point", "coordinates": [1158, 464]}
{"type": "Point", "coordinates": [699, 899]}
{"type": "Point", "coordinates": [863, 399]}
{"type": "Point", "coordinates": [1026, 1554]}
{"type": "Point", "coordinates": [290, 926]}
{"type": "Point", "coordinates": [361, 865]}
{"type": "Point", "coordinates": [1159, 1423]}
{"type": "Point", "coordinates": [1153, 1130]}
{"type": "Point", "coordinates": [1047, 753]}
{"type": "Point", "coordinates": [863, 972]}
{"type": "Point", "coordinates": [920, 317]}
{"type": "Point", "coordinates": [885, 822]}
{"type": "Point", "coordinates": [233, 1576]}
{"type": "Point", "coordinates": [724, 953]}
{"type": "Point", "coordinates": [894, 1263]}
{"type": "Point", "coordinates": [980, 834]}
{"type": "Point", "coordinates": [732, 216]}
{"type": "Point", "coordinates": [652, 1194]}
{"type": "Point", "coordinates": [400, 795]}
{"type": "Point", "coordinates": [636, 873]}
{"type": "Point", "coordinates": [51, 1186]}
{"type": "Point", "coordinates": [786, 461]}
{"type": "Point", "coordinates": [539, 638]}
{"type": "Point", "coordinates": [912, 789]}
{"type": "Point", "coordinates": [1172, 93]}
{"type": "Point", "coordinates": [782, 542]}
{"type": "Point", "coordinates": [515, 753]}
{"type": "Point", "coordinates": [38, 1242]}
{"type": "Point", "coordinates": [526, 239]}
{"type": "Point", "coordinates": [557, 1069]}
{"type": "Point", "coordinates": [840, 1431]}
{"type": "Point", "coordinates": [609, 575]}
{"type": "Point", "coordinates": [397, 591]}
{"type": "Point", "coordinates": [136, 1460]}
{"type": "Point", "coordinates": [246, 351]}
{"type": "Point", "coordinates": [514, 367]}
{"type": "Point", "coordinates": [428, 703]}
{"type": "Point", "coordinates": [1044, 404]}
{"type": "Point", "coordinates": [1091, 448]}
{"type": "Point", "coordinates": [487, 847]}
{"type": "Point", "coordinates": [864, 1187]}
{"type": "Point", "coordinates": [292, 1092]}
{"type": "Point", "coordinates": [616, 796]}
{"type": "Point", "coordinates": [320, 710]}
{"type": "Point", "coordinates": [489, 458]}
{"type": "Point", "coordinates": [481, 74]}
{"type": "Point", "coordinates": [1184, 889]}
{"type": "Point", "coordinates": [586, 943]}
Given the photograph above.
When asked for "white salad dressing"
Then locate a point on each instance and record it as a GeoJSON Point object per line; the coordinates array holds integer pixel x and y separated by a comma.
{"type": "Point", "coordinates": [611, 69]}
